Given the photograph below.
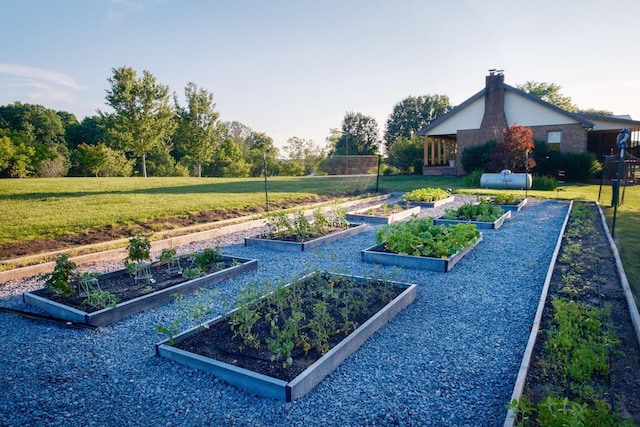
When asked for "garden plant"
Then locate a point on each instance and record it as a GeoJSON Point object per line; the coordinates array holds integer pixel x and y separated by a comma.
{"type": "Point", "coordinates": [420, 237]}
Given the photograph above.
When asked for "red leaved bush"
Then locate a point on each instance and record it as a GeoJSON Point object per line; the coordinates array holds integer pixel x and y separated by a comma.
{"type": "Point", "coordinates": [511, 153]}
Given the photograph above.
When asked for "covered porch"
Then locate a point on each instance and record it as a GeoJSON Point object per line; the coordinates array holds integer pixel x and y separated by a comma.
{"type": "Point", "coordinates": [440, 153]}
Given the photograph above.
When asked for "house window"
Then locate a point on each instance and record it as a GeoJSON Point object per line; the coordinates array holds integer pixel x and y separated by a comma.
{"type": "Point", "coordinates": [554, 139]}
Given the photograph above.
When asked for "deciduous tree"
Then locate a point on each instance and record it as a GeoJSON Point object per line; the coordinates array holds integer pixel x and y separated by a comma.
{"type": "Point", "coordinates": [412, 114]}
{"type": "Point", "coordinates": [143, 116]}
{"type": "Point", "coordinates": [515, 151]}
{"type": "Point", "coordinates": [198, 132]}
{"type": "Point", "coordinates": [549, 92]}
{"type": "Point", "coordinates": [305, 154]}
{"type": "Point", "coordinates": [359, 136]}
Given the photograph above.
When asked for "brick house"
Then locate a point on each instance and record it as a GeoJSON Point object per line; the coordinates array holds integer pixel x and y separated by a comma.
{"type": "Point", "coordinates": [483, 117]}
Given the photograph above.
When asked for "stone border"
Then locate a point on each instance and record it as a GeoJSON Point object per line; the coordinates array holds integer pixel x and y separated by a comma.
{"type": "Point", "coordinates": [371, 255]}
{"type": "Point", "coordinates": [283, 245]}
{"type": "Point", "coordinates": [266, 386]}
{"type": "Point", "coordinates": [479, 224]}
{"type": "Point", "coordinates": [110, 315]}
{"type": "Point", "coordinates": [361, 216]}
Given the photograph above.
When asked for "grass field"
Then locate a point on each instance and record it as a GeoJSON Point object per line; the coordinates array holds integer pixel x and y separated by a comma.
{"type": "Point", "coordinates": [34, 208]}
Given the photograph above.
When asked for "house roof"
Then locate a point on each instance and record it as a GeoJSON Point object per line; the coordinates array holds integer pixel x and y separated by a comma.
{"type": "Point", "coordinates": [588, 121]}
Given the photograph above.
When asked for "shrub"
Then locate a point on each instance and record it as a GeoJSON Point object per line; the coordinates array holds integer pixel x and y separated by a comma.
{"type": "Point", "coordinates": [477, 157]}
{"type": "Point", "coordinates": [407, 155]}
{"type": "Point", "coordinates": [473, 179]}
{"type": "Point", "coordinates": [544, 183]}
{"type": "Point", "coordinates": [577, 166]}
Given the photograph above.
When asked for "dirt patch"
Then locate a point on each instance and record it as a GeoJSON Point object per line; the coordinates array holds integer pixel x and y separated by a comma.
{"type": "Point", "coordinates": [108, 233]}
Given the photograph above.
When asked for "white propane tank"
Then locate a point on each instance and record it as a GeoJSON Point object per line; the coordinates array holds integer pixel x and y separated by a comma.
{"type": "Point", "coordinates": [506, 180]}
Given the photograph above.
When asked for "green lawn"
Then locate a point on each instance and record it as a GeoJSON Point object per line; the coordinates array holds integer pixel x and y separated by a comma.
{"type": "Point", "coordinates": [33, 208]}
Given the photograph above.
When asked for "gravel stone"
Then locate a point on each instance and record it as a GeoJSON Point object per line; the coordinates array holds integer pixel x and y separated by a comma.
{"type": "Point", "coordinates": [449, 359]}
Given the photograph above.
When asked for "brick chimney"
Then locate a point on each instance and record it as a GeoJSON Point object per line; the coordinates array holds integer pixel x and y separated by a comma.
{"type": "Point", "coordinates": [494, 119]}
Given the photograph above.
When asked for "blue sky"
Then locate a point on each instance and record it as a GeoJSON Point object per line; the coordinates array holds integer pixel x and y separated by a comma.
{"type": "Point", "coordinates": [294, 68]}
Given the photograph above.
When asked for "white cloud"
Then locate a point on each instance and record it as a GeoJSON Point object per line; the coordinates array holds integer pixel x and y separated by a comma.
{"type": "Point", "coordinates": [39, 76]}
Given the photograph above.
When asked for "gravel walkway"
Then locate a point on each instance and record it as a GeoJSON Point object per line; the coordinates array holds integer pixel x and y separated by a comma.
{"type": "Point", "coordinates": [449, 359]}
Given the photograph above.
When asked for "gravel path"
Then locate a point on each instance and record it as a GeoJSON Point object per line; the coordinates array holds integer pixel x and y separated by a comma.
{"type": "Point", "coordinates": [449, 359]}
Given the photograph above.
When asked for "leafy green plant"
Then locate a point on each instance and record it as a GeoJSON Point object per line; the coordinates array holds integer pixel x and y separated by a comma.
{"type": "Point", "coordinates": [298, 228]}
{"type": "Point", "coordinates": [58, 280]}
{"type": "Point", "coordinates": [420, 237]}
{"type": "Point", "coordinates": [482, 211]}
{"type": "Point", "coordinates": [506, 199]}
{"type": "Point", "coordinates": [139, 249]}
{"type": "Point", "coordinates": [100, 299]}
{"type": "Point", "coordinates": [428, 194]}
{"type": "Point", "coordinates": [299, 315]}
{"type": "Point", "coordinates": [192, 273]}
{"type": "Point", "coordinates": [205, 258]}
{"type": "Point", "coordinates": [167, 255]}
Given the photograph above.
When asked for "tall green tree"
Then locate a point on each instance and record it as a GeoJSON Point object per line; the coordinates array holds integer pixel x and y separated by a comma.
{"type": "Point", "coordinates": [549, 92]}
{"type": "Point", "coordinates": [596, 112]}
{"type": "Point", "coordinates": [258, 146]}
{"type": "Point", "coordinates": [18, 154]}
{"type": "Point", "coordinates": [412, 114]}
{"type": "Point", "coordinates": [407, 154]}
{"type": "Point", "coordinates": [304, 154]}
{"type": "Point", "coordinates": [198, 132]}
{"type": "Point", "coordinates": [228, 161]}
{"type": "Point", "coordinates": [359, 136]}
{"type": "Point", "coordinates": [42, 125]}
{"type": "Point", "coordinates": [143, 117]}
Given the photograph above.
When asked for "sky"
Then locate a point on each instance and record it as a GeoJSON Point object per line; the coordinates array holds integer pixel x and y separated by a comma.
{"type": "Point", "coordinates": [293, 68]}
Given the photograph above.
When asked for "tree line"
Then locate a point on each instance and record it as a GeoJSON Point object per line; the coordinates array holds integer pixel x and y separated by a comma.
{"type": "Point", "coordinates": [149, 132]}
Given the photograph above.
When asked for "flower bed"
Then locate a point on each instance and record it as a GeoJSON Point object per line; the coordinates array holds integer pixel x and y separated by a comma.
{"type": "Point", "coordinates": [134, 296]}
{"type": "Point", "coordinates": [421, 244]}
{"type": "Point", "coordinates": [283, 344]}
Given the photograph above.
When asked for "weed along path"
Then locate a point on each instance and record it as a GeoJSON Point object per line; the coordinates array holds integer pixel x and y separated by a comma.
{"type": "Point", "coordinates": [450, 358]}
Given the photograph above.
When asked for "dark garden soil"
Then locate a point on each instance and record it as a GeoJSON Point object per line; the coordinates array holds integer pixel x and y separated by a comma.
{"type": "Point", "coordinates": [125, 287]}
{"type": "Point", "coordinates": [108, 233]}
{"type": "Point", "coordinates": [218, 342]}
{"type": "Point", "coordinates": [603, 289]}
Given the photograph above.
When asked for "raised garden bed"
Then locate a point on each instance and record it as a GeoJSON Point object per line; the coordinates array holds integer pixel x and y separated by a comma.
{"type": "Point", "coordinates": [421, 244]}
{"type": "Point", "coordinates": [382, 214]}
{"type": "Point", "coordinates": [377, 255]}
{"type": "Point", "coordinates": [428, 197]}
{"type": "Point", "coordinates": [433, 204]}
{"type": "Point", "coordinates": [135, 296]}
{"type": "Point", "coordinates": [483, 225]}
{"type": "Point", "coordinates": [294, 246]}
{"type": "Point", "coordinates": [582, 363]}
{"type": "Point", "coordinates": [483, 215]}
{"type": "Point", "coordinates": [254, 368]}
{"type": "Point", "coordinates": [507, 202]}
